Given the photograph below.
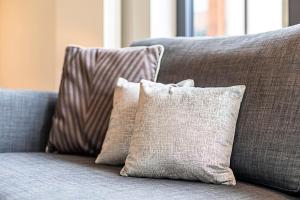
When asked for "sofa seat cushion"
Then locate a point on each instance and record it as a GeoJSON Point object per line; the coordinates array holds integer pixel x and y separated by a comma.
{"type": "Point", "coordinates": [51, 176]}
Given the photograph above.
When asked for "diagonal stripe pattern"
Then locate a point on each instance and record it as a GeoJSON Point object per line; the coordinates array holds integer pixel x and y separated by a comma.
{"type": "Point", "coordinates": [86, 93]}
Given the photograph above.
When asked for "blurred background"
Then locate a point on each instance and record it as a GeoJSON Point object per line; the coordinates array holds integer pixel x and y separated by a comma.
{"type": "Point", "coordinates": [34, 33]}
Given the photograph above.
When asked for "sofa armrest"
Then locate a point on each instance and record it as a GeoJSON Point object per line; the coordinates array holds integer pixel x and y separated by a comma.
{"type": "Point", "coordinates": [25, 120]}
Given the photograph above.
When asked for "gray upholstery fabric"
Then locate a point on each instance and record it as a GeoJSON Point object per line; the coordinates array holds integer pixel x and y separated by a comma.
{"type": "Point", "coordinates": [267, 141]}
{"type": "Point", "coordinates": [25, 120]}
{"type": "Point", "coordinates": [30, 176]}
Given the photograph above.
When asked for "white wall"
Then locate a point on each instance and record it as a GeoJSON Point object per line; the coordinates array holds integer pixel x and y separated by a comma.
{"type": "Point", "coordinates": [77, 22]}
{"type": "Point", "coordinates": [27, 56]}
{"type": "Point", "coordinates": [147, 18]}
{"type": "Point", "coordinates": [235, 17]}
{"type": "Point", "coordinates": [135, 20]}
{"type": "Point", "coordinates": [162, 18]}
{"type": "Point", "coordinates": [262, 18]}
{"type": "Point", "coordinates": [34, 34]}
{"type": "Point", "coordinates": [112, 26]}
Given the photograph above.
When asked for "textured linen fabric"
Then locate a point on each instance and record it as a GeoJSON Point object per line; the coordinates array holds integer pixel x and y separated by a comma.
{"type": "Point", "coordinates": [42, 176]}
{"type": "Point", "coordinates": [25, 120]}
{"type": "Point", "coordinates": [86, 93]}
{"type": "Point", "coordinates": [117, 140]}
{"type": "Point", "coordinates": [267, 141]}
{"type": "Point", "coordinates": [184, 133]}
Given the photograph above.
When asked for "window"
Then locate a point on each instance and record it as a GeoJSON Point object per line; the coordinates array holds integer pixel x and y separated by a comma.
{"type": "Point", "coordinates": [237, 17]}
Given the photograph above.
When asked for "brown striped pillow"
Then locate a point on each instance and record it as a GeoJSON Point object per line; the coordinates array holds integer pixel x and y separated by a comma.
{"type": "Point", "coordinates": [86, 93]}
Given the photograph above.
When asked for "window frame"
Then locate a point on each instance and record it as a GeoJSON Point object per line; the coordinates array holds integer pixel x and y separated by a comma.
{"type": "Point", "coordinates": [294, 14]}
{"type": "Point", "coordinates": [185, 18]}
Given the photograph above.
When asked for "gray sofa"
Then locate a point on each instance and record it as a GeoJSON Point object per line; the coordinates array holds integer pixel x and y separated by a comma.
{"type": "Point", "coordinates": [265, 156]}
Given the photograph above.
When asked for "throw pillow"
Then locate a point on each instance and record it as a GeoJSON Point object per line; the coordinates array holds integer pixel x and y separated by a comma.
{"type": "Point", "coordinates": [116, 144]}
{"type": "Point", "coordinates": [86, 93]}
{"type": "Point", "coordinates": [184, 133]}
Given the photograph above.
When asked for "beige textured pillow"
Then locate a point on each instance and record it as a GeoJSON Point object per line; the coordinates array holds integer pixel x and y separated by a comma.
{"type": "Point", "coordinates": [184, 133]}
{"type": "Point", "coordinates": [116, 144]}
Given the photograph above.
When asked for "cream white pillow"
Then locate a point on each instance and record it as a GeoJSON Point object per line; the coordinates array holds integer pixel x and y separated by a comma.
{"type": "Point", "coordinates": [116, 143]}
{"type": "Point", "coordinates": [184, 133]}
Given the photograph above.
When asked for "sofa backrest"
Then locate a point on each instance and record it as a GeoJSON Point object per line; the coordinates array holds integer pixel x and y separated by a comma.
{"type": "Point", "coordinates": [267, 140]}
{"type": "Point", "coordinates": [25, 120]}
